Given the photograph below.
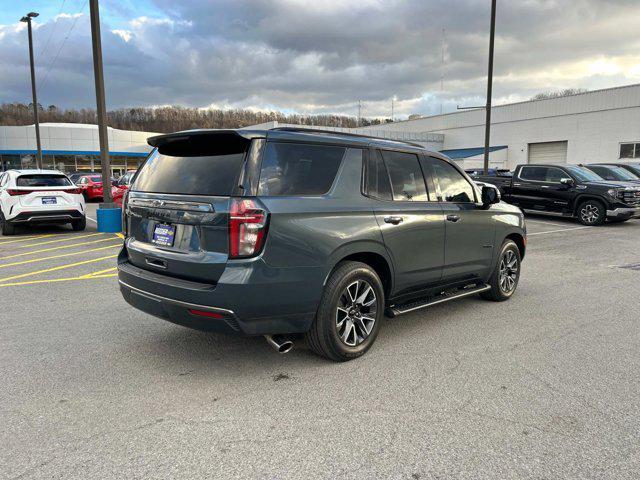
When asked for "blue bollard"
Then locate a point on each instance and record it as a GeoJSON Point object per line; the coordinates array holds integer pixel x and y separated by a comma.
{"type": "Point", "coordinates": [110, 220]}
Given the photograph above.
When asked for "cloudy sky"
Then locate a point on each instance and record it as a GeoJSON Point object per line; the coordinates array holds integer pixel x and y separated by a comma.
{"type": "Point", "coordinates": [318, 56]}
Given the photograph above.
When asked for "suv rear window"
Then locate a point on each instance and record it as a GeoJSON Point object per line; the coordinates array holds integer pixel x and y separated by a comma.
{"type": "Point", "coordinates": [298, 169]}
{"type": "Point", "coordinates": [42, 180]}
{"type": "Point", "coordinates": [198, 165]}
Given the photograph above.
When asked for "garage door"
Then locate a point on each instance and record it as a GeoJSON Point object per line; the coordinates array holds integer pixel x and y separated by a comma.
{"type": "Point", "coordinates": [548, 152]}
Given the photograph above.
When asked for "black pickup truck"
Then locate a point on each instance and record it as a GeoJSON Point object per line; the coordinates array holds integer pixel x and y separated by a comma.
{"type": "Point", "coordinates": [568, 190]}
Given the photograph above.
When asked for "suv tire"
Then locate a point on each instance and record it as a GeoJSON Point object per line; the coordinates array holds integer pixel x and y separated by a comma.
{"type": "Point", "coordinates": [506, 274]}
{"type": "Point", "coordinates": [350, 313]}
{"type": "Point", "coordinates": [591, 213]}
{"type": "Point", "coordinates": [79, 225]}
{"type": "Point", "coordinates": [7, 228]}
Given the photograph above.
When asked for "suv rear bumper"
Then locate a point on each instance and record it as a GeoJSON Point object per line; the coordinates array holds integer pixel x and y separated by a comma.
{"type": "Point", "coordinates": [250, 298]}
{"type": "Point", "coordinates": [51, 216]}
{"type": "Point", "coordinates": [624, 212]}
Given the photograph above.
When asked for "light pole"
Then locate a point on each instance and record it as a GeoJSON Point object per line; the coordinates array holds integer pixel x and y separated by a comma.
{"type": "Point", "coordinates": [27, 19]}
{"type": "Point", "coordinates": [108, 215]}
{"type": "Point", "coordinates": [101, 104]}
{"type": "Point", "coordinates": [487, 128]}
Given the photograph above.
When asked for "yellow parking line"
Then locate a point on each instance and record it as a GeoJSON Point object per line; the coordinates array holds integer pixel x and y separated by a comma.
{"type": "Point", "coordinates": [99, 272]}
{"type": "Point", "coordinates": [119, 235]}
{"type": "Point", "coordinates": [13, 264]}
{"type": "Point", "coordinates": [70, 237]}
{"type": "Point", "coordinates": [110, 239]}
{"type": "Point", "coordinates": [68, 279]}
{"type": "Point", "coordinates": [53, 269]}
{"type": "Point", "coordinates": [30, 237]}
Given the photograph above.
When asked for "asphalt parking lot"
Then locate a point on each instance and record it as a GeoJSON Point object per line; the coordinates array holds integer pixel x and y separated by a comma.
{"type": "Point", "coordinates": [543, 386]}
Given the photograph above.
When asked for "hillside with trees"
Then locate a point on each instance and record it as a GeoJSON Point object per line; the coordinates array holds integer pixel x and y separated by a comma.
{"type": "Point", "coordinates": [170, 118]}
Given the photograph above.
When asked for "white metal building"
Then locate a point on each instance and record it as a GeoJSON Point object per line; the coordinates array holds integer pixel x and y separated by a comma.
{"type": "Point", "coordinates": [71, 147]}
{"type": "Point", "coordinates": [597, 126]}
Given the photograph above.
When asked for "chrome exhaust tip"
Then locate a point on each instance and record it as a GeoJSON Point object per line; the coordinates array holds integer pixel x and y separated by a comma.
{"type": "Point", "coordinates": [279, 343]}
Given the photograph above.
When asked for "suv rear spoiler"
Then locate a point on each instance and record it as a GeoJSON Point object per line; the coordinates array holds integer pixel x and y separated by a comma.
{"type": "Point", "coordinates": [160, 140]}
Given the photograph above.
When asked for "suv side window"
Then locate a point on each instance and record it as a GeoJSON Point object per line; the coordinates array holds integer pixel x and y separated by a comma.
{"type": "Point", "coordinates": [453, 186]}
{"type": "Point", "coordinates": [407, 181]}
{"type": "Point", "coordinates": [376, 182]}
{"type": "Point", "coordinates": [298, 169]}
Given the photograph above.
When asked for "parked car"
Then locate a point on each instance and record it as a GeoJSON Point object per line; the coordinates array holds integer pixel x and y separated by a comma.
{"type": "Point", "coordinates": [569, 190]}
{"type": "Point", "coordinates": [121, 187]}
{"type": "Point", "coordinates": [292, 231]}
{"type": "Point", "coordinates": [611, 172]}
{"type": "Point", "coordinates": [91, 186]}
{"type": "Point", "coordinates": [39, 196]}
{"type": "Point", "coordinates": [631, 167]}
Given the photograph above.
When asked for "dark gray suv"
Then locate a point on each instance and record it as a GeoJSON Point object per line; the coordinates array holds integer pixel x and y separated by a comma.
{"type": "Point", "coordinates": [290, 231]}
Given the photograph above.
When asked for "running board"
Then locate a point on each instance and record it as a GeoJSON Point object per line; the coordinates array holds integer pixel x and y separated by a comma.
{"type": "Point", "coordinates": [401, 309]}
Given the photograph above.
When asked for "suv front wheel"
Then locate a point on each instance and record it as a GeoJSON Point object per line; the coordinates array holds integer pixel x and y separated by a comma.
{"type": "Point", "coordinates": [350, 313]}
{"type": "Point", "coordinates": [505, 277]}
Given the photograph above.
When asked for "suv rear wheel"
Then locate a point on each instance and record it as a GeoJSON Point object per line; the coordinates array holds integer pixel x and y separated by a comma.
{"type": "Point", "coordinates": [505, 276]}
{"type": "Point", "coordinates": [7, 228]}
{"type": "Point", "coordinates": [79, 225]}
{"type": "Point", "coordinates": [350, 313]}
{"type": "Point", "coordinates": [592, 212]}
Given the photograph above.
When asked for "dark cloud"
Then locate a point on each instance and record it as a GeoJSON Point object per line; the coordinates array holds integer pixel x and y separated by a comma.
{"type": "Point", "coordinates": [325, 56]}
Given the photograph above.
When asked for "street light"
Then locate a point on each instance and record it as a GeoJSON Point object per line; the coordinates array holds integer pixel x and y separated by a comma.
{"type": "Point", "coordinates": [487, 128]}
{"type": "Point", "coordinates": [27, 19]}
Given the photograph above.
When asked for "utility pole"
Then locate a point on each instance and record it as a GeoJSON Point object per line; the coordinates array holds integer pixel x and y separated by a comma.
{"type": "Point", "coordinates": [27, 19]}
{"type": "Point", "coordinates": [392, 105]}
{"type": "Point", "coordinates": [487, 131]}
{"type": "Point", "coordinates": [359, 112]}
{"type": "Point", "coordinates": [101, 105]}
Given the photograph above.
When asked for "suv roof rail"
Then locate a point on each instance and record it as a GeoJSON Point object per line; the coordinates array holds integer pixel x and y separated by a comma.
{"type": "Point", "coordinates": [337, 132]}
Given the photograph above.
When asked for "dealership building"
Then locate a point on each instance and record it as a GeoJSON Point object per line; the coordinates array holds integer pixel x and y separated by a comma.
{"type": "Point", "coordinates": [597, 126]}
{"type": "Point", "coordinates": [71, 147]}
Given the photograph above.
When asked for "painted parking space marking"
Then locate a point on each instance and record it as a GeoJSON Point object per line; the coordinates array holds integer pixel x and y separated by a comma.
{"type": "Point", "coordinates": [544, 222]}
{"type": "Point", "coordinates": [69, 237]}
{"type": "Point", "coordinates": [50, 249]}
{"type": "Point", "coordinates": [92, 219]}
{"type": "Point", "coordinates": [54, 269]}
{"type": "Point", "coordinates": [65, 279]}
{"type": "Point", "coordinates": [52, 257]}
{"type": "Point", "coordinates": [16, 239]}
{"type": "Point", "coordinates": [556, 231]}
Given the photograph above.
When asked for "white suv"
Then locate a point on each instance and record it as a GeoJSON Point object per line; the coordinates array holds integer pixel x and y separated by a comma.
{"type": "Point", "coordinates": [44, 196]}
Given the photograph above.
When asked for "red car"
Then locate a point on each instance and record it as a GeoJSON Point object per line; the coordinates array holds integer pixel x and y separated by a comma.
{"type": "Point", "coordinates": [91, 186]}
{"type": "Point", "coordinates": [121, 187]}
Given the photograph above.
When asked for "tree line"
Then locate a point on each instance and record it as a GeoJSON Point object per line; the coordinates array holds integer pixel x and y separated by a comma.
{"type": "Point", "coordinates": [172, 118]}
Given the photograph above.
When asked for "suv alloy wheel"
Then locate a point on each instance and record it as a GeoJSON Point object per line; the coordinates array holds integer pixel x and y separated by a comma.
{"type": "Point", "coordinates": [350, 313]}
{"type": "Point", "coordinates": [591, 212]}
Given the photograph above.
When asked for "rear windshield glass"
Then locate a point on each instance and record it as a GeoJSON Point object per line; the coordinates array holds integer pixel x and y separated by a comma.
{"type": "Point", "coordinates": [42, 180]}
{"type": "Point", "coordinates": [202, 165]}
{"type": "Point", "coordinates": [96, 179]}
{"type": "Point", "coordinates": [298, 169]}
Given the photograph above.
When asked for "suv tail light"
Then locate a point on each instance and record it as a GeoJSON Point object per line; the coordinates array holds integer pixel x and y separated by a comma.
{"type": "Point", "coordinates": [247, 227]}
{"type": "Point", "coordinates": [13, 192]}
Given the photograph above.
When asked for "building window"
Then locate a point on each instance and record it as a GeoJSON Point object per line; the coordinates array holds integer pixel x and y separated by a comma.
{"type": "Point", "coordinates": [630, 150]}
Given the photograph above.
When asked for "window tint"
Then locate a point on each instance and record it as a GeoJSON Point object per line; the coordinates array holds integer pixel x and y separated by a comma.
{"type": "Point", "coordinates": [538, 174]}
{"type": "Point", "coordinates": [627, 150]}
{"type": "Point", "coordinates": [453, 186]}
{"type": "Point", "coordinates": [42, 180]}
{"type": "Point", "coordinates": [197, 171]}
{"type": "Point", "coordinates": [298, 169]}
{"type": "Point", "coordinates": [407, 181]}
{"type": "Point", "coordinates": [377, 180]}
{"type": "Point", "coordinates": [555, 175]}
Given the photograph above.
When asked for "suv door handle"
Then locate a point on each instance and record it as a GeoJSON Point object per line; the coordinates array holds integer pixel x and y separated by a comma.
{"type": "Point", "coordinates": [453, 218]}
{"type": "Point", "coordinates": [393, 220]}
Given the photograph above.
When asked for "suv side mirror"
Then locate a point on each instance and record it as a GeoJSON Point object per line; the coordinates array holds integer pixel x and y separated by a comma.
{"type": "Point", "coordinates": [567, 182]}
{"type": "Point", "coordinates": [490, 195]}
